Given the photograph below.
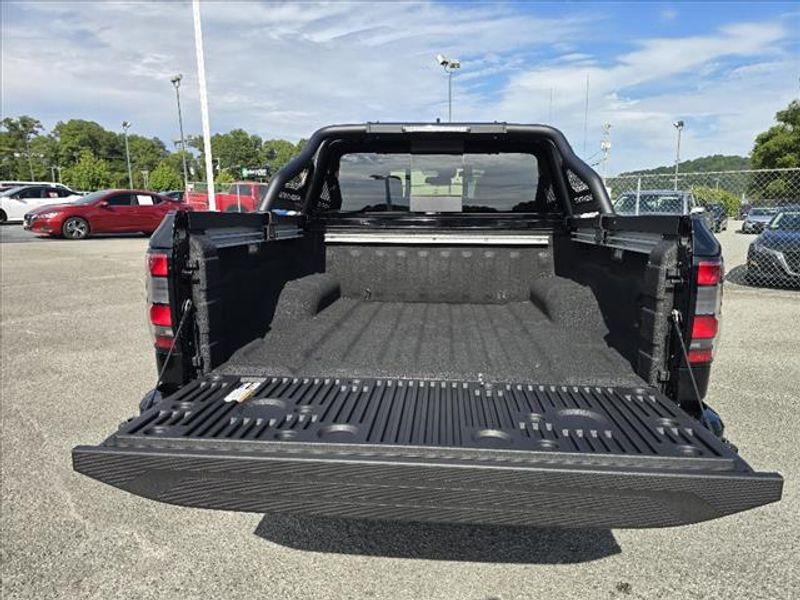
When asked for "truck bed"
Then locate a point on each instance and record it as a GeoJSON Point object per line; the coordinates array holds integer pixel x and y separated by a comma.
{"type": "Point", "coordinates": [495, 342]}
{"type": "Point", "coordinates": [430, 450]}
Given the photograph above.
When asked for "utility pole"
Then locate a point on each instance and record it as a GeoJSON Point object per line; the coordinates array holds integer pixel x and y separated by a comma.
{"type": "Point", "coordinates": [176, 82]}
{"type": "Point", "coordinates": [449, 65]}
{"type": "Point", "coordinates": [605, 147]}
{"type": "Point", "coordinates": [586, 116]}
{"type": "Point", "coordinates": [201, 80]}
{"type": "Point", "coordinates": [679, 126]}
{"type": "Point", "coordinates": [125, 126]}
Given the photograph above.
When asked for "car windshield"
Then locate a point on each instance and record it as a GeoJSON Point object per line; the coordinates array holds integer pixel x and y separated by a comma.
{"type": "Point", "coordinates": [13, 190]}
{"type": "Point", "coordinates": [650, 203]}
{"type": "Point", "coordinates": [786, 221]}
{"type": "Point", "coordinates": [762, 212]}
{"type": "Point", "coordinates": [89, 198]}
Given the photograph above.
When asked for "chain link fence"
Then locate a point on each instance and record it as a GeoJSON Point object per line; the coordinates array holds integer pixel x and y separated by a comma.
{"type": "Point", "coordinates": [763, 205]}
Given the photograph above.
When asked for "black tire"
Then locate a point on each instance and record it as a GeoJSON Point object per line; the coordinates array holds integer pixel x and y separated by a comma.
{"type": "Point", "coordinates": [3, 217]}
{"type": "Point", "coordinates": [75, 228]}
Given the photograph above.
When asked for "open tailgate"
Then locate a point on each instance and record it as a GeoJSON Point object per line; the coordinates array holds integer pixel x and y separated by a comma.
{"type": "Point", "coordinates": [518, 454]}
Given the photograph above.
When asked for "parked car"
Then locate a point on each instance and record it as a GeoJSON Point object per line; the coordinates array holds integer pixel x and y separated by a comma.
{"type": "Point", "coordinates": [774, 256]}
{"type": "Point", "coordinates": [240, 196]}
{"type": "Point", "coordinates": [177, 195]}
{"type": "Point", "coordinates": [657, 202]}
{"type": "Point", "coordinates": [17, 201]}
{"type": "Point", "coordinates": [757, 218]}
{"type": "Point", "coordinates": [486, 342]}
{"type": "Point", "coordinates": [7, 185]}
{"type": "Point", "coordinates": [106, 211]}
{"type": "Point", "coordinates": [717, 216]}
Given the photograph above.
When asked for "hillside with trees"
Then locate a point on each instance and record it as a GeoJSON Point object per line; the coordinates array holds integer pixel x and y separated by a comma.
{"type": "Point", "coordinates": [715, 162]}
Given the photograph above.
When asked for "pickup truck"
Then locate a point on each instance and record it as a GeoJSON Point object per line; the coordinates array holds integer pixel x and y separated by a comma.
{"type": "Point", "coordinates": [451, 325]}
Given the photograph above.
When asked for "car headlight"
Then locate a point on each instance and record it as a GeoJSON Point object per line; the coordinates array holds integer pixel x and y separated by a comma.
{"type": "Point", "coordinates": [46, 215]}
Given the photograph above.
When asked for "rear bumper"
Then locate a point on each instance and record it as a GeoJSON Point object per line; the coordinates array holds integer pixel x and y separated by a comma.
{"type": "Point", "coordinates": [449, 485]}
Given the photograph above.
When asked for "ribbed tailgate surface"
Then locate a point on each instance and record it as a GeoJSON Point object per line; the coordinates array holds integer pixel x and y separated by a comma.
{"type": "Point", "coordinates": [429, 451]}
{"type": "Point", "coordinates": [623, 421]}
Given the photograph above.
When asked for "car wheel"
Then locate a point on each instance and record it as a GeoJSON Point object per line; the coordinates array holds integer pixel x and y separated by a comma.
{"type": "Point", "coordinates": [75, 228]}
{"type": "Point", "coordinates": [3, 216]}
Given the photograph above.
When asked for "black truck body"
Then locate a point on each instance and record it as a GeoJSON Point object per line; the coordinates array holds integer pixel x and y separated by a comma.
{"type": "Point", "coordinates": [518, 363]}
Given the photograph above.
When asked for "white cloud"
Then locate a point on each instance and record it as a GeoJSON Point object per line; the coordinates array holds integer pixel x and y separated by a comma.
{"type": "Point", "coordinates": [286, 69]}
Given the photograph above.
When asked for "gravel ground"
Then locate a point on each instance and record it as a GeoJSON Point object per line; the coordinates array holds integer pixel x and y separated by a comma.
{"type": "Point", "coordinates": [76, 359]}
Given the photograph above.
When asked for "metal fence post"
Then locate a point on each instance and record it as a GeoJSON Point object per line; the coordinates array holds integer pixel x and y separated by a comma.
{"type": "Point", "coordinates": [638, 193]}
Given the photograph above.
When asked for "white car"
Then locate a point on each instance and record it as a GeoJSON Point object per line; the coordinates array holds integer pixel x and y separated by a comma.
{"type": "Point", "coordinates": [14, 203]}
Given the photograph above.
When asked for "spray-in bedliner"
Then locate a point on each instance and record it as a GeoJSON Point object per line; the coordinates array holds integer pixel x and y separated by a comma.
{"type": "Point", "coordinates": [497, 342]}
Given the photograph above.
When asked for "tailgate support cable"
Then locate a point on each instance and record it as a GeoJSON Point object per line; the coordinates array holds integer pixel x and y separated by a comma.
{"type": "Point", "coordinates": [185, 312]}
{"type": "Point", "coordinates": [676, 319]}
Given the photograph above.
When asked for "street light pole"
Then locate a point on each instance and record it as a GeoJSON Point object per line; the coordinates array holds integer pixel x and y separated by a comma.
{"type": "Point", "coordinates": [125, 126]}
{"type": "Point", "coordinates": [679, 126]}
{"type": "Point", "coordinates": [176, 82]}
{"type": "Point", "coordinates": [449, 65]}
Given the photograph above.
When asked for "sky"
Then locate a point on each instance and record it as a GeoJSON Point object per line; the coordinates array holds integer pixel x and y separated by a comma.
{"type": "Point", "coordinates": [285, 69]}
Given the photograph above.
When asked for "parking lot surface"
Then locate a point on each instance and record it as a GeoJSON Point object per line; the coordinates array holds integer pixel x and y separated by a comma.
{"type": "Point", "coordinates": [76, 358]}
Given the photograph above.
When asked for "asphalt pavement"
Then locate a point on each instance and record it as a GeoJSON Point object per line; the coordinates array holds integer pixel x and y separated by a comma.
{"type": "Point", "coordinates": [76, 359]}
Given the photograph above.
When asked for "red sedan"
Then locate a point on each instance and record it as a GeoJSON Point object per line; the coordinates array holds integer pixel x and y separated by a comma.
{"type": "Point", "coordinates": [106, 211]}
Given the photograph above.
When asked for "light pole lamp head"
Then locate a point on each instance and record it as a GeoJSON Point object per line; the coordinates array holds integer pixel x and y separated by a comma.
{"type": "Point", "coordinates": [678, 124]}
{"type": "Point", "coordinates": [176, 80]}
{"type": "Point", "coordinates": [126, 125]}
{"type": "Point", "coordinates": [448, 64]}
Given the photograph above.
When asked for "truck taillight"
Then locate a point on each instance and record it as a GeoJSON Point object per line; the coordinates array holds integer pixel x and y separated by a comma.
{"type": "Point", "coordinates": [708, 302]}
{"type": "Point", "coordinates": [160, 313]}
{"type": "Point", "coordinates": [158, 265]}
{"type": "Point", "coordinates": [709, 272]}
{"type": "Point", "coordinates": [704, 327]}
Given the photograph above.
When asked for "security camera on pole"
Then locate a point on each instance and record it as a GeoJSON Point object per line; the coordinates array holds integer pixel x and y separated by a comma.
{"type": "Point", "coordinates": [449, 65]}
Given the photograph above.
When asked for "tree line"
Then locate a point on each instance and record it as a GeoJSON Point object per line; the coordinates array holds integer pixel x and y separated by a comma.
{"type": "Point", "coordinates": [85, 156]}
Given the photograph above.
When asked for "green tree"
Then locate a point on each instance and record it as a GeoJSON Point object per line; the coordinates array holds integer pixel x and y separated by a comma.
{"type": "Point", "coordinates": [88, 173]}
{"type": "Point", "coordinates": [714, 162]}
{"type": "Point", "coordinates": [779, 146]}
{"type": "Point", "coordinates": [709, 195]}
{"type": "Point", "coordinates": [175, 160]}
{"type": "Point", "coordinates": [18, 161]}
{"type": "Point", "coordinates": [146, 154]}
{"type": "Point", "coordinates": [166, 177]}
{"type": "Point", "coordinates": [76, 135]}
{"type": "Point", "coordinates": [276, 153]}
{"type": "Point", "coordinates": [224, 176]}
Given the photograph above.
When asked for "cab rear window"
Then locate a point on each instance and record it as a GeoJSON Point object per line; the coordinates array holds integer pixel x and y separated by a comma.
{"type": "Point", "coordinates": [437, 183]}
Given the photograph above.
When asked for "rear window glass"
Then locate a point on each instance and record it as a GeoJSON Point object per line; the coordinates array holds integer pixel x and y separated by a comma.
{"type": "Point", "coordinates": [649, 203]}
{"type": "Point", "coordinates": [438, 182]}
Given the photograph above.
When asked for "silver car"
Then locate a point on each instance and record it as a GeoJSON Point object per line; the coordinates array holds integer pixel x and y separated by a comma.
{"type": "Point", "coordinates": [757, 219]}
